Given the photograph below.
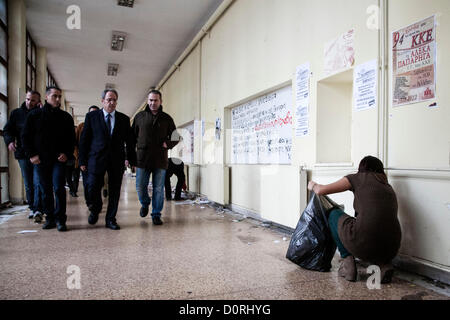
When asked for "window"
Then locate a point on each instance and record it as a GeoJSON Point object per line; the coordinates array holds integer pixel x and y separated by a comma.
{"type": "Point", "coordinates": [4, 176]}
{"type": "Point", "coordinates": [50, 80]}
{"type": "Point", "coordinates": [31, 64]}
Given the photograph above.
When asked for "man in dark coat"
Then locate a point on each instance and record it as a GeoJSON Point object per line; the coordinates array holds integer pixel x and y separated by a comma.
{"type": "Point", "coordinates": [106, 145]}
{"type": "Point", "coordinates": [49, 139]}
{"type": "Point", "coordinates": [12, 134]}
{"type": "Point", "coordinates": [155, 134]}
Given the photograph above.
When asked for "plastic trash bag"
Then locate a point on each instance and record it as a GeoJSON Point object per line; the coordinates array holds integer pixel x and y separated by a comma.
{"type": "Point", "coordinates": [312, 246]}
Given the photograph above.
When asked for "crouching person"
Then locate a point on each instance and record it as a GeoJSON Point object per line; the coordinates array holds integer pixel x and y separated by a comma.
{"type": "Point", "coordinates": [374, 234]}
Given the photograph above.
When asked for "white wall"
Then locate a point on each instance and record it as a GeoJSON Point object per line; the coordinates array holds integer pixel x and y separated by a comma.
{"type": "Point", "coordinates": [256, 45]}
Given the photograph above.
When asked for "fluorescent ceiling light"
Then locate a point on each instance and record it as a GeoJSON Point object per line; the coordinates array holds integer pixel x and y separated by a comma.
{"type": "Point", "coordinates": [126, 3]}
{"type": "Point", "coordinates": [118, 40]}
{"type": "Point", "coordinates": [112, 69]}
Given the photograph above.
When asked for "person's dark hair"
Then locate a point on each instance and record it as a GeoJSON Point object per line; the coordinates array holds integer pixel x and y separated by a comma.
{"type": "Point", "coordinates": [371, 164]}
{"type": "Point", "coordinates": [34, 92]}
{"type": "Point", "coordinates": [156, 92]}
{"type": "Point", "coordinates": [93, 107]}
{"type": "Point", "coordinates": [47, 91]}
{"type": "Point", "coordinates": [109, 90]}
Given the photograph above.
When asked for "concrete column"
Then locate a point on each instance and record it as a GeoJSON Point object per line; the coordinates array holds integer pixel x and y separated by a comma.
{"type": "Point", "coordinates": [16, 84]}
{"type": "Point", "coordinates": [41, 71]}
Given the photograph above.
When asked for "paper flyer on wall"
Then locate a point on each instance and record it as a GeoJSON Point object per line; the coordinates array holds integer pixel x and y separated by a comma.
{"type": "Point", "coordinates": [365, 79]}
{"type": "Point", "coordinates": [339, 53]}
{"type": "Point", "coordinates": [414, 62]}
{"type": "Point", "coordinates": [302, 76]}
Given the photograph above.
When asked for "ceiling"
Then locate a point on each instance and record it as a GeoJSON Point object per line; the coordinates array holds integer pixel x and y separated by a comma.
{"type": "Point", "coordinates": [158, 32]}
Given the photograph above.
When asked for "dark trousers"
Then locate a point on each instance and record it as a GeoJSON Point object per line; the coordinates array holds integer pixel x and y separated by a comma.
{"type": "Point", "coordinates": [76, 179]}
{"type": "Point", "coordinates": [69, 176]}
{"type": "Point", "coordinates": [179, 172]}
{"type": "Point", "coordinates": [52, 182]}
{"type": "Point", "coordinates": [84, 176]}
{"type": "Point", "coordinates": [95, 183]}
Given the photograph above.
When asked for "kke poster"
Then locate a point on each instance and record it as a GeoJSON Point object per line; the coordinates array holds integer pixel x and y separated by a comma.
{"type": "Point", "coordinates": [414, 62]}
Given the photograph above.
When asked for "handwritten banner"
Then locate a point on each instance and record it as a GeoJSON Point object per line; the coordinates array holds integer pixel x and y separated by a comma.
{"type": "Point", "coordinates": [262, 129]}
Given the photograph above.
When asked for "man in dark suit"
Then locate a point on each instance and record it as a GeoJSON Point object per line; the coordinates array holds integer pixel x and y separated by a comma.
{"type": "Point", "coordinates": [106, 145]}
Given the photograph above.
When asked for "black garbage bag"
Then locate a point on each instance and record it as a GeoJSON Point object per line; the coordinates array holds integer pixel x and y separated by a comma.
{"type": "Point", "coordinates": [312, 246]}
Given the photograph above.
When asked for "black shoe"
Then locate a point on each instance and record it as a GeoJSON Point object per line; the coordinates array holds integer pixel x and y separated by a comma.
{"type": "Point", "coordinates": [49, 224]}
{"type": "Point", "coordinates": [74, 194]}
{"type": "Point", "coordinates": [93, 218]}
{"type": "Point", "coordinates": [112, 225]}
{"type": "Point", "coordinates": [157, 221]}
{"type": "Point", "coordinates": [168, 199]}
{"type": "Point", "coordinates": [105, 193]}
{"type": "Point", "coordinates": [178, 199]}
{"type": "Point", "coordinates": [61, 226]}
{"type": "Point", "coordinates": [143, 212]}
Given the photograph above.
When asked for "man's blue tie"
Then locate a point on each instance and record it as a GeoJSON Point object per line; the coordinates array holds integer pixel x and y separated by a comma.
{"type": "Point", "coordinates": [108, 122]}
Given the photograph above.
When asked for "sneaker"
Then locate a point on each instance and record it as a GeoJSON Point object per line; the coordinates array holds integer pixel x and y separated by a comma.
{"type": "Point", "coordinates": [157, 221]}
{"type": "Point", "coordinates": [143, 212]}
{"type": "Point", "coordinates": [31, 215]}
{"type": "Point", "coordinates": [38, 217]}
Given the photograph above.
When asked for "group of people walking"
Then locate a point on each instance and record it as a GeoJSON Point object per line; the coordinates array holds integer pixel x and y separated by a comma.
{"type": "Point", "coordinates": [44, 140]}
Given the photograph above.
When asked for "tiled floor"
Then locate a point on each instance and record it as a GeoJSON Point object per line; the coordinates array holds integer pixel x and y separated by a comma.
{"type": "Point", "coordinates": [198, 253]}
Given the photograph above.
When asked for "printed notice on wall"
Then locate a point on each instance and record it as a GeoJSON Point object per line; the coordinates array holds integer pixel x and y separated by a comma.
{"type": "Point", "coordinates": [302, 76]}
{"type": "Point", "coordinates": [339, 53]}
{"type": "Point", "coordinates": [262, 129]}
{"type": "Point", "coordinates": [414, 62]}
{"type": "Point", "coordinates": [365, 78]}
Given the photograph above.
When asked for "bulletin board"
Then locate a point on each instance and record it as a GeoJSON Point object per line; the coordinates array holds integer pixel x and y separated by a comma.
{"type": "Point", "coordinates": [261, 129]}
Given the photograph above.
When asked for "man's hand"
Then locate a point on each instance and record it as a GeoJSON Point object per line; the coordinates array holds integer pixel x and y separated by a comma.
{"type": "Point", "coordinates": [35, 160]}
{"type": "Point", "coordinates": [83, 168]}
{"type": "Point", "coordinates": [62, 157]}
{"type": "Point", "coordinates": [12, 146]}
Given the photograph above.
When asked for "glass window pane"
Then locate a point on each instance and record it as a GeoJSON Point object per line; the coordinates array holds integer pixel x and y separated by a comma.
{"type": "Point", "coordinates": [4, 185]}
{"type": "Point", "coordinates": [33, 56]}
{"type": "Point", "coordinates": [3, 11]}
{"type": "Point", "coordinates": [3, 43]}
{"type": "Point", "coordinates": [33, 75]}
{"type": "Point", "coordinates": [3, 80]}
{"type": "Point", "coordinates": [28, 75]}
{"type": "Point", "coordinates": [28, 48]}
{"type": "Point", "coordinates": [3, 115]}
{"type": "Point", "coordinates": [3, 155]}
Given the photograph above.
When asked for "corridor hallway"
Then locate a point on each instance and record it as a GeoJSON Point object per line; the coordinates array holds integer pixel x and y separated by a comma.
{"type": "Point", "coordinates": [200, 252]}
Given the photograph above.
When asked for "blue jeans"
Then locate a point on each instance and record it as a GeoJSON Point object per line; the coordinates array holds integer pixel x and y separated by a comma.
{"type": "Point", "coordinates": [31, 183]}
{"type": "Point", "coordinates": [158, 178]}
{"type": "Point", "coordinates": [52, 180]}
{"type": "Point", "coordinates": [38, 192]}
